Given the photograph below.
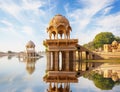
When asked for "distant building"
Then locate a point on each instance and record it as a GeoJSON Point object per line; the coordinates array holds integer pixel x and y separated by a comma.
{"type": "Point", "coordinates": [114, 47]}
{"type": "Point", "coordinates": [30, 49]}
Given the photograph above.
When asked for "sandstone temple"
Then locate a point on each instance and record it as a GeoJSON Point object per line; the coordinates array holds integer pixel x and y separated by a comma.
{"type": "Point", "coordinates": [63, 55]}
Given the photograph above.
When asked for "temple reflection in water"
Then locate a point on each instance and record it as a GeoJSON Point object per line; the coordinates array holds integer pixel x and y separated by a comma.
{"type": "Point", "coordinates": [30, 64]}
{"type": "Point", "coordinates": [59, 87]}
{"type": "Point", "coordinates": [61, 82]}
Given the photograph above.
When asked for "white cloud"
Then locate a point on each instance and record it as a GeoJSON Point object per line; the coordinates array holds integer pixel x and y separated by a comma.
{"type": "Point", "coordinates": [28, 90]}
{"type": "Point", "coordinates": [28, 30]}
{"type": "Point", "coordinates": [107, 10]}
{"type": "Point", "coordinates": [7, 23]}
{"type": "Point", "coordinates": [10, 7]}
{"type": "Point", "coordinates": [22, 10]}
{"type": "Point", "coordinates": [92, 18]}
{"type": "Point", "coordinates": [109, 23]}
{"type": "Point", "coordinates": [10, 29]}
{"type": "Point", "coordinates": [32, 5]}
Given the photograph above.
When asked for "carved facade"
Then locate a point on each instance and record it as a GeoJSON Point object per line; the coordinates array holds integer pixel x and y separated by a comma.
{"type": "Point", "coordinates": [114, 47]}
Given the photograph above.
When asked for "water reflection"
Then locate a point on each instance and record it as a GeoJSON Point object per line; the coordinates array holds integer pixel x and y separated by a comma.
{"type": "Point", "coordinates": [104, 76]}
{"type": "Point", "coordinates": [30, 64]}
{"type": "Point", "coordinates": [62, 87]}
{"type": "Point", "coordinates": [60, 84]}
{"type": "Point", "coordinates": [10, 57]}
{"type": "Point", "coordinates": [109, 70]}
{"type": "Point", "coordinates": [89, 77]}
{"type": "Point", "coordinates": [60, 81]}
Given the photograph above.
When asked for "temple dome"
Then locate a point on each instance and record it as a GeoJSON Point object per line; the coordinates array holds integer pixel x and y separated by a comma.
{"type": "Point", "coordinates": [59, 19]}
{"type": "Point", "coordinates": [59, 25]}
{"type": "Point", "coordinates": [30, 44]}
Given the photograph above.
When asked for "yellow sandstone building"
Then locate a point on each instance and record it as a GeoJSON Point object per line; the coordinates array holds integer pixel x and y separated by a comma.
{"type": "Point", "coordinates": [114, 47]}
{"type": "Point", "coordinates": [61, 52]}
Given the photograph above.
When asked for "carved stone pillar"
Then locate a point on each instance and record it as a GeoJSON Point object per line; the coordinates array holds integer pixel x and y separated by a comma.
{"type": "Point", "coordinates": [48, 60]}
{"type": "Point", "coordinates": [67, 60]}
{"type": "Point", "coordinates": [63, 61]}
{"type": "Point", "coordinates": [47, 54]}
{"type": "Point", "coordinates": [71, 61]}
{"type": "Point", "coordinates": [74, 60]}
{"type": "Point", "coordinates": [56, 60]}
{"type": "Point", "coordinates": [51, 64]}
{"type": "Point", "coordinates": [78, 60]}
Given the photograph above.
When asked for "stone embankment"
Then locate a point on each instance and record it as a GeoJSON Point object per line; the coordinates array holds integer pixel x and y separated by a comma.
{"type": "Point", "coordinates": [109, 55]}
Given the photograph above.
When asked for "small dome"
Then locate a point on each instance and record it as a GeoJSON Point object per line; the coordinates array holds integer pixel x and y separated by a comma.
{"type": "Point", "coordinates": [59, 25]}
{"type": "Point", "coordinates": [57, 19]}
{"type": "Point", "coordinates": [114, 43]}
{"type": "Point", "coordinates": [30, 44]}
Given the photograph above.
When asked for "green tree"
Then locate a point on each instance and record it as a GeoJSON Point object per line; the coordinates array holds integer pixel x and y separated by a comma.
{"type": "Point", "coordinates": [103, 38]}
{"type": "Point", "coordinates": [117, 38]}
{"type": "Point", "coordinates": [9, 52]}
{"type": "Point", "coordinates": [89, 45]}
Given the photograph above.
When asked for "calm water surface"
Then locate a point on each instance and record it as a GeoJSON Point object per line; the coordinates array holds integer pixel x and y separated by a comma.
{"type": "Point", "coordinates": [22, 76]}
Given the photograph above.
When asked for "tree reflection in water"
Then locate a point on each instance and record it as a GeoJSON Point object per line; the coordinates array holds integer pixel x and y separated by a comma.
{"type": "Point", "coordinates": [100, 81]}
{"type": "Point", "coordinates": [60, 82]}
{"type": "Point", "coordinates": [106, 76]}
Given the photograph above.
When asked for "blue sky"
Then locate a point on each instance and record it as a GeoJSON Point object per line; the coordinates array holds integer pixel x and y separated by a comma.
{"type": "Point", "coordinates": [24, 20]}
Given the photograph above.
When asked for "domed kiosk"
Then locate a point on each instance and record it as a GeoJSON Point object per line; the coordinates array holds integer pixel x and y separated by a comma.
{"type": "Point", "coordinates": [30, 49]}
{"type": "Point", "coordinates": [60, 51]}
{"type": "Point", "coordinates": [30, 44]}
{"type": "Point", "coordinates": [59, 26]}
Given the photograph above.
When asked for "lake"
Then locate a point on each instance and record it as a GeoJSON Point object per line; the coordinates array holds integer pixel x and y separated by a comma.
{"type": "Point", "coordinates": [18, 75]}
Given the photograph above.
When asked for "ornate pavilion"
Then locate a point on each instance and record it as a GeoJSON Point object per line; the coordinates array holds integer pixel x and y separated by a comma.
{"type": "Point", "coordinates": [30, 49]}
{"type": "Point", "coordinates": [61, 52]}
